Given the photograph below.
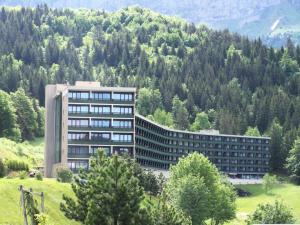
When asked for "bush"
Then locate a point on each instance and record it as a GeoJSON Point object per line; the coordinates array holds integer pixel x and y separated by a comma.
{"type": "Point", "coordinates": [64, 175]}
{"type": "Point", "coordinates": [15, 165]}
{"type": "Point", "coordinates": [23, 175]}
{"type": "Point", "coordinates": [276, 213]}
{"type": "Point", "coordinates": [38, 176]}
{"type": "Point", "coordinates": [2, 168]}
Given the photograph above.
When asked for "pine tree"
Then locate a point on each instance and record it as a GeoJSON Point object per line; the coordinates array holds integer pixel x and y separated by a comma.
{"type": "Point", "coordinates": [110, 194]}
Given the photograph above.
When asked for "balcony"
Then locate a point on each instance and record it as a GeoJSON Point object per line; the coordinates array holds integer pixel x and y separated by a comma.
{"type": "Point", "coordinates": [90, 128]}
{"type": "Point", "coordinates": [104, 101]}
{"type": "Point", "coordinates": [108, 115]}
{"type": "Point", "coordinates": [99, 142]}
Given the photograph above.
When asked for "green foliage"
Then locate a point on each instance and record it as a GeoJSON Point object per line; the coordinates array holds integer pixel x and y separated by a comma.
{"type": "Point", "coordinates": [293, 161]}
{"type": "Point", "coordinates": [26, 116]}
{"type": "Point", "coordinates": [288, 64]}
{"type": "Point", "coordinates": [2, 168]}
{"type": "Point", "coordinates": [147, 179]}
{"type": "Point", "coordinates": [195, 186]}
{"type": "Point", "coordinates": [277, 150]}
{"type": "Point", "coordinates": [148, 101]}
{"type": "Point", "coordinates": [8, 124]}
{"type": "Point", "coordinates": [39, 176]}
{"type": "Point", "coordinates": [23, 175]}
{"type": "Point", "coordinates": [110, 182]}
{"type": "Point", "coordinates": [180, 114]}
{"type": "Point", "coordinates": [166, 214]}
{"type": "Point", "coordinates": [64, 174]}
{"type": "Point", "coordinates": [162, 117]}
{"type": "Point", "coordinates": [253, 131]}
{"type": "Point", "coordinates": [16, 165]}
{"type": "Point", "coordinates": [201, 122]}
{"type": "Point", "coordinates": [31, 207]}
{"type": "Point", "coordinates": [276, 213]}
{"type": "Point", "coordinates": [269, 182]}
{"type": "Point", "coordinates": [42, 219]}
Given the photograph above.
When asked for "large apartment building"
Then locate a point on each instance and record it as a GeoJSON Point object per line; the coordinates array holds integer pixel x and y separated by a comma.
{"type": "Point", "coordinates": [84, 117]}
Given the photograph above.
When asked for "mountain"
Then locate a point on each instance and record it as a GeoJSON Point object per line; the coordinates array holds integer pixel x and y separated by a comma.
{"type": "Point", "coordinates": [272, 20]}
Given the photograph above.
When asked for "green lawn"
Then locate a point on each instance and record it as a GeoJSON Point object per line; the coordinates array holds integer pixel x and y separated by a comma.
{"type": "Point", "coordinates": [289, 193]}
{"type": "Point", "coordinates": [10, 211]}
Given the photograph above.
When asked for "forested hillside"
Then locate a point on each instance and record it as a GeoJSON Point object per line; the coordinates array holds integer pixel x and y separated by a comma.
{"type": "Point", "coordinates": [272, 20]}
{"type": "Point", "coordinates": [234, 82]}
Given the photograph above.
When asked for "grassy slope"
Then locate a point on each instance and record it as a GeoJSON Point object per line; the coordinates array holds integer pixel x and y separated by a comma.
{"type": "Point", "coordinates": [10, 211]}
{"type": "Point", "coordinates": [288, 193]}
{"type": "Point", "coordinates": [31, 152]}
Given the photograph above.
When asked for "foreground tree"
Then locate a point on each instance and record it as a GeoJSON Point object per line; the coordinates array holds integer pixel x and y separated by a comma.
{"type": "Point", "coordinates": [293, 161]}
{"type": "Point", "coordinates": [276, 213]}
{"type": "Point", "coordinates": [167, 214]}
{"type": "Point", "coordinates": [195, 186]}
{"type": "Point", "coordinates": [107, 194]}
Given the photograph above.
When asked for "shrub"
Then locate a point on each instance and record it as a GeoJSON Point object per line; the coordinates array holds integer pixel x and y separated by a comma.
{"type": "Point", "coordinates": [15, 165]}
{"type": "Point", "coordinates": [38, 176]}
{"type": "Point", "coordinates": [64, 174]}
{"type": "Point", "coordinates": [2, 168]}
{"type": "Point", "coordinates": [23, 175]}
{"type": "Point", "coordinates": [276, 213]}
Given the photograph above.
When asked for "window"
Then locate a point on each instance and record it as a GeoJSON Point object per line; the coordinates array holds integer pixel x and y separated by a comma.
{"type": "Point", "coordinates": [81, 151]}
{"type": "Point", "coordinates": [78, 122]}
{"type": "Point", "coordinates": [78, 136]}
{"type": "Point", "coordinates": [106, 150]}
{"type": "Point", "coordinates": [122, 123]}
{"type": "Point", "coordinates": [78, 108]}
{"type": "Point", "coordinates": [100, 123]}
{"type": "Point", "coordinates": [100, 136]}
{"type": "Point", "coordinates": [102, 96]}
{"type": "Point", "coordinates": [122, 96]}
{"type": "Point", "coordinates": [122, 137]}
{"type": "Point", "coordinates": [100, 109]}
{"type": "Point", "coordinates": [122, 110]}
{"type": "Point", "coordinates": [78, 95]}
{"type": "Point", "coordinates": [77, 164]}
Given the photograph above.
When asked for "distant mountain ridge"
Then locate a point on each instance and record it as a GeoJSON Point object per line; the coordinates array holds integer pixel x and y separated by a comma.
{"type": "Point", "coordinates": [254, 18]}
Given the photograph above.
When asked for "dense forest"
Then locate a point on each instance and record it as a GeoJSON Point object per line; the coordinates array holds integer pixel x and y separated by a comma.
{"type": "Point", "coordinates": [187, 72]}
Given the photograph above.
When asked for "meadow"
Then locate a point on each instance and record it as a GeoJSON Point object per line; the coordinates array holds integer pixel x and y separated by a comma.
{"type": "Point", "coordinates": [10, 211]}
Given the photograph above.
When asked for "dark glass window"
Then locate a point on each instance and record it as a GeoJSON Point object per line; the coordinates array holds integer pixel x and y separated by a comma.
{"type": "Point", "coordinates": [122, 110]}
{"type": "Point", "coordinates": [122, 123]}
{"type": "Point", "coordinates": [78, 136]}
{"type": "Point", "coordinates": [100, 109]}
{"type": "Point", "coordinates": [100, 123]}
{"type": "Point", "coordinates": [100, 136]}
{"type": "Point", "coordinates": [77, 164]}
{"type": "Point", "coordinates": [102, 96]}
{"type": "Point", "coordinates": [78, 95]}
{"type": "Point", "coordinates": [78, 108]}
{"type": "Point", "coordinates": [122, 137]}
{"type": "Point", "coordinates": [75, 150]}
{"type": "Point", "coordinates": [78, 122]}
{"type": "Point", "coordinates": [122, 96]}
